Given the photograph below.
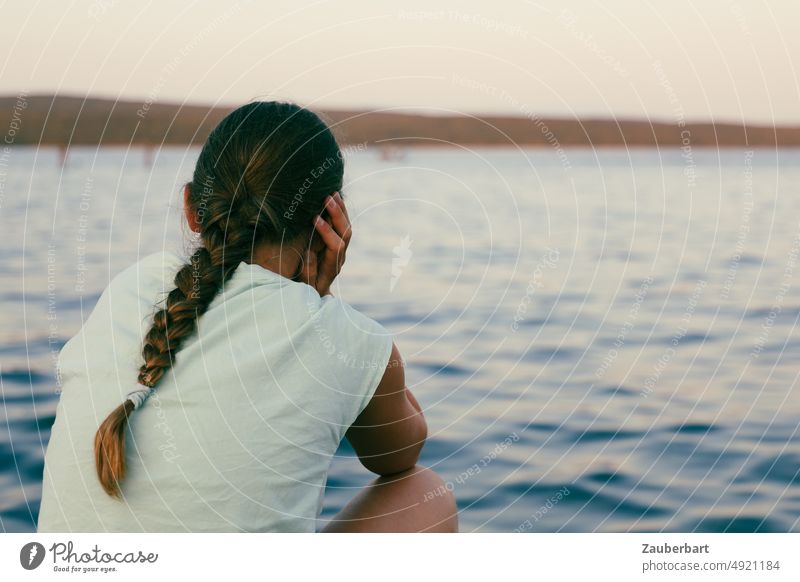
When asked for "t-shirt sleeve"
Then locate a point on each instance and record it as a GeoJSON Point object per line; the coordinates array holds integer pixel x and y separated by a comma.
{"type": "Point", "coordinates": [360, 347]}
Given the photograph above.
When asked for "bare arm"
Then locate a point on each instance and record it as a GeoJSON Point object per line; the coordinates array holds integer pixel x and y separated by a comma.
{"type": "Point", "coordinates": [390, 432]}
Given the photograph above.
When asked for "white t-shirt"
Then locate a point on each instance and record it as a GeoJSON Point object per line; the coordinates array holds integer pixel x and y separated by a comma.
{"type": "Point", "coordinates": [240, 432]}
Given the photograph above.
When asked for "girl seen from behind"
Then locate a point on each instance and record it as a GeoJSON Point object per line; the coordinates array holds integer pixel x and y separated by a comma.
{"type": "Point", "coordinates": [211, 393]}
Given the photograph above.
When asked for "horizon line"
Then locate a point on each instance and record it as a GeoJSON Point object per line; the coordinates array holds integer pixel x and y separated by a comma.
{"type": "Point", "coordinates": [407, 110]}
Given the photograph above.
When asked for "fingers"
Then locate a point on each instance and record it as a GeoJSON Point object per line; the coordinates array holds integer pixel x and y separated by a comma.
{"type": "Point", "coordinates": [329, 236]}
{"type": "Point", "coordinates": [338, 213]}
{"type": "Point", "coordinates": [335, 233]}
{"type": "Point", "coordinates": [338, 197]}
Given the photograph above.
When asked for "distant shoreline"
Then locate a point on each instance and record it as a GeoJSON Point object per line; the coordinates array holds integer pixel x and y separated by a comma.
{"type": "Point", "coordinates": [47, 120]}
{"type": "Point", "coordinates": [421, 146]}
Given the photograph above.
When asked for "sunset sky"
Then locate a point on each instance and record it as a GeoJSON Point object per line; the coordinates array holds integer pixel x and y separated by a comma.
{"type": "Point", "coordinates": [721, 60]}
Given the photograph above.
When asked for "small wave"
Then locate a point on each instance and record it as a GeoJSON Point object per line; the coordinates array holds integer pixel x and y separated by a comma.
{"type": "Point", "coordinates": [692, 428]}
{"type": "Point", "coordinates": [787, 311]}
{"type": "Point", "coordinates": [737, 524]}
{"type": "Point", "coordinates": [533, 322]}
{"type": "Point", "coordinates": [617, 390]}
{"type": "Point", "coordinates": [443, 369]}
{"type": "Point", "coordinates": [783, 469]}
{"type": "Point", "coordinates": [746, 259]}
{"type": "Point", "coordinates": [689, 338]}
{"type": "Point", "coordinates": [555, 353]}
{"type": "Point", "coordinates": [540, 426]}
{"type": "Point", "coordinates": [23, 376]}
{"type": "Point", "coordinates": [37, 424]}
{"type": "Point", "coordinates": [608, 435]}
{"type": "Point", "coordinates": [406, 318]}
{"type": "Point", "coordinates": [20, 517]}
{"type": "Point", "coordinates": [605, 477]}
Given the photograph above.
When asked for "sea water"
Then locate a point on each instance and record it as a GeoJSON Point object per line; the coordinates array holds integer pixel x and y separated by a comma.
{"type": "Point", "coordinates": [601, 340]}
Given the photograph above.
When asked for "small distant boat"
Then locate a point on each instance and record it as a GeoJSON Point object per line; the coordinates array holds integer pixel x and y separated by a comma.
{"type": "Point", "coordinates": [148, 156]}
{"type": "Point", "coordinates": [389, 153]}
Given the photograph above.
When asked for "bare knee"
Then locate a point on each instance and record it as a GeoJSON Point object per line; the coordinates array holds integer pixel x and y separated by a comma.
{"type": "Point", "coordinates": [435, 497]}
{"type": "Point", "coordinates": [426, 495]}
{"type": "Point", "coordinates": [422, 481]}
{"type": "Point", "coordinates": [415, 500]}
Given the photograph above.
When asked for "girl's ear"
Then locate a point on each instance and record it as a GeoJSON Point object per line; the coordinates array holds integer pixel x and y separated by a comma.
{"type": "Point", "coordinates": [191, 217]}
{"type": "Point", "coordinates": [308, 268]}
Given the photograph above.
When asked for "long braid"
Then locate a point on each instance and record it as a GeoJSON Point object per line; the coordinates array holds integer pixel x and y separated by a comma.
{"type": "Point", "coordinates": [196, 285]}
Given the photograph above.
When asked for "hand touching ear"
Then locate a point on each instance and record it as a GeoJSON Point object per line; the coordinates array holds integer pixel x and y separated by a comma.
{"type": "Point", "coordinates": [321, 267]}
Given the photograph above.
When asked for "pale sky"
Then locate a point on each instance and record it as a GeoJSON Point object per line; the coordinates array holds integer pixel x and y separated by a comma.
{"type": "Point", "coordinates": [728, 60]}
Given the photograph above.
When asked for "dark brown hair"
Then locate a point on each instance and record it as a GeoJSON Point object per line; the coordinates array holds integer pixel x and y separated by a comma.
{"type": "Point", "coordinates": [262, 176]}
